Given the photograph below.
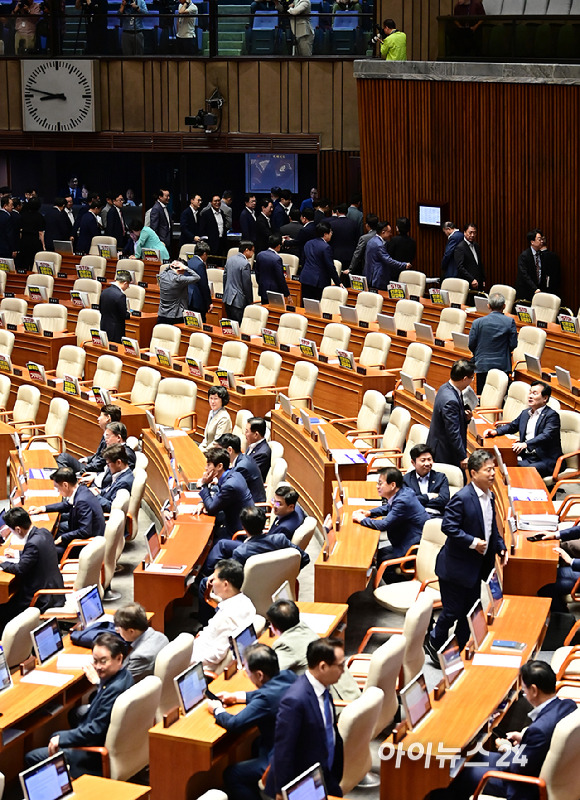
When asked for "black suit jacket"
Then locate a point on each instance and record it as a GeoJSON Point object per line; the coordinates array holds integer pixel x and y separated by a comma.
{"type": "Point", "coordinates": [344, 239]}
{"type": "Point", "coordinates": [56, 226]}
{"type": "Point", "coordinates": [448, 430]}
{"type": "Point", "coordinates": [546, 445]}
{"type": "Point", "coordinates": [438, 484]}
{"type": "Point", "coordinates": [527, 278]}
{"type": "Point", "coordinates": [189, 226]}
{"type": "Point", "coordinates": [248, 225]}
{"type": "Point", "coordinates": [247, 467]}
{"type": "Point", "coordinates": [88, 228]}
{"type": "Point", "coordinates": [208, 227]}
{"type": "Point", "coordinates": [270, 274]}
{"type": "Point", "coordinates": [114, 226]}
{"type": "Point", "coordinates": [199, 293]}
{"type": "Point", "coordinates": [113, 307]}
{"type": "Point", "coordinates": [263, 231]}
{"type": "Point", "coordinates": [262, 455]}
{"type": "Point", "coordinates": [467, 267]}
{"type": "Point", "coordinates": [36, 569]}
{"type": "Point", "coordinates": [305, 234]}
{"type": "Point", "coordinates": [86, 517]}
{"type": "Point", "coordinates": [158, 222]}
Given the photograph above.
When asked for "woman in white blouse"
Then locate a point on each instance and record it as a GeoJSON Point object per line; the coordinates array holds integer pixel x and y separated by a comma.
{"type": "Point", "coordinates": [218, 420]}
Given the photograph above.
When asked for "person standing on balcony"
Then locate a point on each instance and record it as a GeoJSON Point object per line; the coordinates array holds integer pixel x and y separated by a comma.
{"type": "Point", "coordinates": [301, 27]}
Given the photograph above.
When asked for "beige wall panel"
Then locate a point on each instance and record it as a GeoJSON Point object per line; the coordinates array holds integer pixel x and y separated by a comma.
{"type": "Point", "coordinates": [350, 137]}
{"type": "Point", "coordinates": [134, 95]}
{"type": "Point", "coordinates": [269, 119]}
{"type": "Point", "coordinates": [148, 114]}
{"type": "Point", "coordinates": [249, 97]}
{"type": "Point", "coordinates": [156, 95]}
{"type": "Point", "coordinates": [232, 100]}
{"type": "Point", "coordinates": [4, 104]}
{"type": "Point", "coordinates": [115, 99]}
{"type": "Point", "coordinates": [173, 122]}
{"type": "Point", "coordinates": [320, 101]}
{"type": "Point", "coordinates": [14, 95]}
{"type": "Point", "coordinates": [295, 97]}
{"type": "Point", "coordinates": [183, 104]}
{"type": "Point", "coordinates": [216, 77]}
{"type": "Point", "coordinates": [197, 93]}
{"type": "Point", "coordinates": [337, 106]}
{"type": "Point", "coordinates": [284, 96]}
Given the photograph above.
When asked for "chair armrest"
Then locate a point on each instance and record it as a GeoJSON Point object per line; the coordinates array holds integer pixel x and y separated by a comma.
{"type": "Point", "coordinates": [540, 783]}
{"type": "Point", "coordinates": [178, 420]}
{"type": "Point", "coordinates": [239, 536]}
{"type": "Point", "coordinates": [392, 562]}
{"type": "Point", "coordinates": [282, 388]}
{"type": "Point", "coordinates": [24, 424]}
{"type": "Point", "coordinates": [569, 501]}
{"type": "Point", "coordinates": [40, 592]}
{"type": "Point", "coordinates": [573, 631]}
{"type": "Point", "coordinates": [574, 591]}
{"type": "Point", "coordinates": [558, 484]}
{"type": "Point", "coordinates": [114, 393]}
{"type": "Point", "coordinates": [70, 546]}
{"type": "Point", "coordinates": [560, 462]}
{"type": "Point", "coordinates": [489, 410]}
{"type": "Point", "coordinates": [343, 419]}
{"type": "Point", "coordinates": [357, 657]}
{"type": "Point", "coordinates": [307, 398]}
{"type": "Point", "coordinates": [371, 631]}
{"type": "Point", "coordinates": [573, 655]}
{"type": "Point", "coordinates": [104, 753]}
{"type": "Point", "coordinates": [368, 434]}
{"type": "Point", "coordinates": [392, 454]}
{"type": "Point", "coordinates": [43, 438]}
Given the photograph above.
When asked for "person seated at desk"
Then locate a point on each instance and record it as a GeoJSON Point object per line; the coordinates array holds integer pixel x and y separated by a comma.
{"type": "Point", "coordinates": [235, 610]}
{"type": "Point", "coordinates": [218, 419]}
{"type": "Point", "coordinates": [115, 433]}
{"type": "Point", "coordinates": [261, 666]}
{"type": "Point", "coordinates": [118, 476]}
{"type": "Point", "coordinates": [294, 636]}
{"type": "Point", "coordinates": [521, 752]}
{"type": "Point", "coordinates": [289, 515]}
{"type": "Point", "coordinates": [96, 462]}
{"type": "Point", "coordinates": [90, 729]}
{"type": "Point", "coordinates": [568, 568]}
{"type": "Point", "coordinates": [401, 516]}
{"type": "Point", "coordinates": [144, 642]}
{"type": "Point", "coordinates": [539, 429]}
{"type": "Point", "coordinates": [36, 566]}
{"type": "Point", "coordinates": [256, 444]}
{"type": "Point", "coordinates": [430, 487]}
{"type": "Point", "coordinates": [231, 497]}
{"type": "Point", "coordinates": [148, 239]}
{"type": "Point", "coordinates": [85, 517]}
{"type": "Point", "coordinates": [243, 464]}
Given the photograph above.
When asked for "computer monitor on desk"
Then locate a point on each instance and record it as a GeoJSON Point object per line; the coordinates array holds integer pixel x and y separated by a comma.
{"type": "Point", "coordinates": [416, 701]}
{"type": "Point", "coordinates": [307, 786]}
{"type": "Point", "coordinates": [494, 588]}
{"type": "Point", "coordinates": [5, 677]}
{"type": "Point", "coordinates": [49, 779]}
{"type": "Point", "coordinates": [450, 661]}
{"type": "Point", "coordinates": [47, 640]}
{"type": "Point", "coordinates": [477, 624]}
{"type": "Point", "coordinates": [190, 686]}
{"type": "Point", "coordinates": [241, 640]}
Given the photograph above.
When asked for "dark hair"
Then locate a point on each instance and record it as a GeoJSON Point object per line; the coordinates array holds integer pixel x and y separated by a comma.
{"type": "Point", "coordinates": [118, 428]}
{"type": "Point", "coordinates": [230, 440]}
{"type": "Point", "coordinates": [392, 475]}
{"type": "Point", "coordinates": [59, 201]}
{"type": "Point", "coordinates": [323, 650]}
{"type": "Point", "coordinates": [217, 455]}
{"type": "Point", "coordinates": [63, 474]}
{"type": "Point", "coordinates": [257, 425]}
{"type": "Point", "coordinates": [389, 23]}
{"type": "Point", "coordinates": [381, 226]}
{"type": "Point", "coordinates": [228, 569]}
{"type": "Point", "coordinates": [419, 450]}
{"type": "Point", "coordinates": [112, 411]}
{"type": "Point", "coordinates": [404, 225]}
{"type": "Point", "coordinates": [227, 194]}
{"type": "Point", "coordinates": [283, 614]}
{"type": "Point", "coordinates": [462, 369]}
{"type": "Point", "coordinates": [540, 674]}
{"type": "Point", "coordinates": [265, 202]}
{"type": "Point", "coordinates": [295, 214]}
{"type": "Point", "coordinates": [247, 197]}
{"type": "Point", "coordinates": [286, 194]}
{"type": "Point", "coordinates": [308, 213]}
{"type": "Point", "coordinates": [160, 192]}
{"type": "Point", "coordinates": [17, 517]}
{"type": "Point", "coordinates": [275, 190]}
{"type": "Point", "coordinates": [289, 494]}
{"type": "Point", "coordinates": [356, 199]}
{"type": "Point", "coordinates": [449, 225]}
{"type": "Point", "coordinates": [136, 225]}
{"type": "Point", "coordinates": [274, 240]}
{"type": "Point", "coordinates": [322, 228]}
{"type": "Point", "coordinates": [546, 390]}
{"type": "Point", "coordinates": [259, 656]}
{"type": "Point", "coordinates": [221, 392]}
{"type": "Point", "coordinates": [244, 245]}
{"type": "Point", "coordinates": [342, 208]}
{"type": "Point", "coordinates": [114, 644]}
{"type": "Point", "coordinates": [469, 225]}
{"type": "Point", "coordinates": [531, 235]}
{"type": "Point", "coordinates": [131, 616]}
{"type": "Point", "coordinates": [201, 248]}
{"type": "Point", "coordinates": [116, 452]}
{"type": "Point", "coordinates": [372, 221]}
{"type": "Point", "coordinates": [477, 459]}
{"type": "Point", "coordinates": [253, 519]}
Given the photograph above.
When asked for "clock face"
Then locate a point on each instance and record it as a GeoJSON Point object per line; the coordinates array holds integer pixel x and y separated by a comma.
{"type": "Point", "coordinates": [58, 96]}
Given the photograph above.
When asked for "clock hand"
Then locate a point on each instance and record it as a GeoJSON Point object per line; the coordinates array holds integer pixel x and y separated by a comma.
{"type": "Point", "coordinates": [54, 97]}
{"type": "Point", "coordinates": [48, 94]}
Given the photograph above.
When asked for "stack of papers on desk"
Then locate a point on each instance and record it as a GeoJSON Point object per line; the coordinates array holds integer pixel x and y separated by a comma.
{"type": "Point", "coordinates": [319, 623]}
{"type": "Point", "coordinates": [43, 678]}
{"type": "Point", "coordinates": [537, 522]}
{"type": "Point", "coordinates": [490, 660]}
{"type": "Point", "coordinates": [531, 495]}
{"type": "Point", "coordinates": [169, 569]}
{"type": "Point", "coordinates": [348, 456]}
{"type": "Point", "coordinates": [73, 660]}
{"type": "Point", "coordinates": [41, 474]}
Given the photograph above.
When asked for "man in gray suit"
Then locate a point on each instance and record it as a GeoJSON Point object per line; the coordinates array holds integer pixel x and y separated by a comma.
{"type": "Point", "coordinates": [292, 643]}
{"type": "Point", "coordinates": [492, 340]}
{"type": "Point", "coordinates": [174, 283]}
{"type": "Point", "coordinates": [144, 642]}
{"type": "Point", "coordinates": [238, 282]}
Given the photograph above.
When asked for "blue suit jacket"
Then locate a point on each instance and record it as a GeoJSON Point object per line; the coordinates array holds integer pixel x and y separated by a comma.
{"type": "Point", "coordinates": [380, 268]}
{"type": "Point", "coordinates": [36, 569]}
{"type": "Point", "coordinates": [107, 495]}
{"type": "Point", "coordinates": [188, 226]}
{"type": "Point", "coordinates": [288, 524]}
{"type": "Point", "coordinates": [255, 546]}
{"type": "Point", "coordinates": [345, 235]}
{"type": "Point", "coordinates": [448, 430]}
{"type": "Point", "coordinates": [462, 523]}
{"type": "Point", "coordinates": [270, 274]}
{"type": "Point", "coordinates": [199, 295]}
{"type": "Point", "coordinates": [300, 741]}
{"type": "Point", "coordinates": [491, 340]}
{"type": "Point", "coordinates": [262, 455]}
{"type": "Point", "coordinates": [448, 265]}
{"type": "Point", "coordinates": [251, 472]}
{"type": "Point", "coordinates": [546, 443]}
{"type": "Point", "coordinates": [88, 228]}
{"type": "Point", "coordinates": [403, 520]}
{"type": "Point", "coordinates": [248, 225]}
{"type": "Point", "coordinates": [86, 515]}
{"type": "Point", "coordinates": [232, 495]}
{"type": "Point", "coordinates": [438, 484]}
{"type": "Point", "coordinates": [279, 217]}
{"type": "Point", "coordinates": [318, 269]}
{"type": "Point", "coordinates": [114, 226]}
{"type": "Point", "coordinates": [7, 238]}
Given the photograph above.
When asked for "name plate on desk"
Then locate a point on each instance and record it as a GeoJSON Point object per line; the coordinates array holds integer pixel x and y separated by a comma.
{"type": "Point", "coordinates": [326, 315]}
{"type": "Point", "coordinates": [323, 359]}
{"type": "Point", "coordinates": [55, 301]}
{"type": "Point", "coordinates": [456, 305]}
{"type": "Point", "coordinates": [64, 275]}
{"type": "Point", "coordinates": [9, 325]}
{"type": "Point", "coordinates": [290, 308]}
{"type": "Point", "coordinates": [143, 356]}
{"type": "Point", "coordinates": [134, 313]}
{"type": "Point", "coordinates": [402, 333]}
{"type": "Point", "coordinates": [144, 284]}
{"type": "Point", "coordinates": [178, 367]}
{"type": "Point", "coordinates": [285, 348]}
{"type": "Point", "coordinates": [362, 323]}
{"type": "Point", "coordinates": [208, 328]}
{"type": "Point", "coordinates": [575, 390]}
{"type": "Point", "coordinates": [415, 297]}
{"type": "Point", "coordinates": [113, 348]}
{"type": "Point", "coordinates": [48, 334]}
{"type": "Point", "coordinates": [541, 324]}
{"type": "Point", "coordinates": [18, 372]}
{"type": "Point", "coordinates": [440, 342]}
{"type": "Point", "coordinates": [361, 370]}
{"type": "Point", "coordinates": [8, 294]}
{"type": "Point", "coordinates": [101, 280]}
{"type": "Point", "coordinates": [245, 337]}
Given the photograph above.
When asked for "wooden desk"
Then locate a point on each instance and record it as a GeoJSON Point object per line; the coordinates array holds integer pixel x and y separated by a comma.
{"type": "Point", "coordinates": [90, 787]}
{"type": "Point", "coordinates": [6, 443]}
{"type": "Point", "coordinates": [464, 710]}
{"type": "Point", "coordinates": [41, 349]}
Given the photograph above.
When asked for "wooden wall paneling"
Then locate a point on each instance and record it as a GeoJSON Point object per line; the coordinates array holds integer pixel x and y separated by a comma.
{"type": "Point", "coordinates": [249, 97]}
{"type": "Point", "coordinates": [172, 104]}
{"type": "Point", "coordinates": [295, 96]}
{"type": "Point", "coordinates": [320, 100]}
{"type": "Point", "coordinates": [232, 99]}
{"type": "Point", "coordinates": [350, 135]}
{"type": "Point", "coordinates": [156, 95]}
{"type": "Point", "coordinates": [147, 95]}
{"type": "Point", "coordinates": [183, 104]}
{"type": "Point", "coordinates": [284, 99]}
{"type": "Point", "coordinates": [4, 104]}
{"type": "Point", "coordinates": [305, 81]}
{"type": "Point", "coordinates": [337, 106]}
{"type": "Point", "coordinates": [197, 87]}
{"type": "Point", "coordinates": [116, 100]}
{"type": "Point", "coordinates": [216, 77]}
{"type": "Point", "coordinates": [133, 96]}
{"type": "Point", "coordinates": [269, 113]}
{"type": "Point", "coordinates": [14, 93]}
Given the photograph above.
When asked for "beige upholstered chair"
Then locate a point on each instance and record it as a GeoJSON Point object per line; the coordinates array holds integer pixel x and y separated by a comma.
{"type": "Point", "coordinates": [302, 383]}
{"type": "Point", "coordinates": [368, 306]}
{"type": "Point", "coordinates": [108, 372]}
{"type": "Point", "coordinates": [186, 252]}
{"type": "Point", "coordinates": [50, 434]}
{"type": "Point", "coordinates": [5, 386]}
{"type": "Point", "coordinates": [114, 539]}
{"type": "Point", "coordinates": [97, 240]}
{"type": "Point", "coordinates": [368, 420]}
{"type": "Point", "coordinates": [407, 313]}
{"type": "Point", "coordinates": [389, 450]}
{"type": "Point", "coordinates": [215, 276]}
{"type": "Point", "coordinates": [51, 317]}
{"type": "Point", "coordinates": [86, 571]}
{"type": "Point", "coordinates": [451, 320]}
{"type": "Point", "coordinates": [239, 428]}
{"type": "Point", "coordinates": [88, 318]}
{"type": "Point", "coordinates": [91, 287]}
{"type": "Point", "coordinates": [381, 669]}
{"type": "Point", "coordinates": [303, 534]}
{"type": "Point", "coordinates": [16, 641]}
{"type": "Point", "coordinates": [516, 400]}
{"type": "Point", "coordinates": [44, 281]}
{"type": "Point", "coordinates": [255, 288]}
{"type": "Point", "coordinates": [97, 263]}
{"type": "Point", "coordinates": [141, 461]}
{"type": "Point", "coordinates": [375, 350]}
{"type": "Point", "coordinates": [234, 357]}
{"type": "Point", "coordinates": [134, 265]}
{"type": "Point", "coordinates": [167, 337]}
{"type": "Point", "coordinates": [48, 255]}
{"type": "Point", "coordinates": [135, 500]}
{"type": "Point", "coordinates": [416, 281]}
{"type": "Point", "coordinates": [291, 328]}
{"type": "Point", "coordinates": [417, 361]}
{"type": "Point", "coordinates": [199, 348]}
{"type": "Point", "coordinates": [267, 371]}
{"type": "Point", "coordinates": [14, 309]}
{"type": "Point", "coordinates": [121, 501]}
{"type": "Point", "coordinates": [546, 306]}
{"type": "Point", "coordinates": [175, 403]}
{"type": "Point", "coordinates": [255, 318]}
{"type": "Point", "coordinates": [356, 725]}
{"type": "Point", "coordinates": [336, 337]}
{"type": "Point", "coordinates": [508, 292]}
{"type": "Point", "coordinates": [291, 261]}
{"type": "Point", "coordinates": [25, 407]}
{"type": "Point", "coordinates": [3, 277]}
{"type": "Point", "coordinates": [71, 361]}
{"type": "Point", "coordinates": [6, 340]}
{"type": "Point", "coordinates": [171, 660]}
{"type": "Point", "coordinates": [417, 435]}
{"type": "Point", "coordinates": [332, 298]}
{"type": "Point", "coordinates": [276, 475]}
{"type": "Point", "coordinates": [570, 440]}
{"type": "Point", "coordinates": [493, 394]}
{"type": "Point", "coordinates": [457, 288]}
{"type": "Point", "coordinates": [455, 476]}
{"type": "Point", "coordinates": [264, 573]}
{"type": "Point", "coordinates": [135, 296]}
{"type": "Point", "coordinates": [144, 389]}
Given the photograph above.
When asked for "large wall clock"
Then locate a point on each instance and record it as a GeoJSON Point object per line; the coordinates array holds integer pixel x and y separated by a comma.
{"type": "Point", "coordinates": [59, 95]}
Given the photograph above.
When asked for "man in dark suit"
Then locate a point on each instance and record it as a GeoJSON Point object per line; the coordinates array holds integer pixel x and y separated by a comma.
{"type": "Point", "coordinates": [114, 308]}
{"type": "Point", "coordinates": [89, 226]}
{"type": "Point", "coordinates": [57, 225]}
{"type": "Point", "coordinates": [85, 516]}
{"type": "Point", "coordinates": [238, 291]}
{"type": "Point", "coordinates": [95, 463]}
{"type": "Point", "coordinates": [454, 236]}
{"type": "Point", "coordinates": [269, 269]}
{"type": "Point", "coordinates": [36, 567]}
{"type": "Point", "coordinates": [90, 729]}
{"type": "Point", "coordinates": [401, 516]}
{"type": "Point", "coordinates": [291, 230]}
{"type": "Point", "coordinates": [380, 268]}
{"type": "Point", "coordinates": [550, 268]}
{"type": "Point", "coordinates": [280, 214]}
{"type": "Point", "coordinates": [289, 515]}
{"type": "Point", "coordinates": [232, 494]}
{"type": "Point", "coordinates": [468, 555]}
{"type": "Point", "coordinates": [263, 226]}
{"type": "Point", "coordinates": [539, 429]}
{"type": "Point", "coordinates": [357, 263]}
{"type": "Point", "coordinates": [306, 232]}
{"type": "Point", "coordinates": [243, 464]}
{"type": "Point", "coordinates": [492, 339]}
{"type": "Point", "coordinates": [448, 430]}
{"type": "Point", "coordinates": [318, 270]}
{"type": "Point", "coordinates": [536, 272]}
{"type": "Point", "coordinates": [520, 752]}
{"type": "Point", "coordinates": [241, 779]}
{"type": "Point", "coordinates": [189, 221]}
{"type": "Point", "coordinates": [213, 226]}
{"type": "Point", "coordinates": [430, 487]}
{"type": "Point", "coordinates": [160, 221]}
{"type": "Point", "coordinates": [256, 444]}
{"type": "Point", "coordinates": [115, 225]}
{"type": "Point", "coordinates": [344, 236]}
{"type": "Point", "coordinates": [248, 218]}
{"type": "Point", "coordinates": [199, 293]}
{"type": "Point", "coordinates": [467, 257]}
{"type": "Point", "coordinates": [306, 731]}
{"type": "Point", "coordinates": [8, 245]}
{"type": "Point", "coordinates": [119, 473]}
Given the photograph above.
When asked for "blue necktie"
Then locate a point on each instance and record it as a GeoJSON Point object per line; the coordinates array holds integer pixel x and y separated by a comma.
{"type": "Point", "coordinates": [329, 727]}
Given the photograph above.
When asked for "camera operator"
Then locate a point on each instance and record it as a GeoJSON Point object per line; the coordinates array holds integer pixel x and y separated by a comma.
{"type": "Point", "coordinates": [132, 41]}
{"type": "Point", "coordinates": [186, 28]}
{"type": "Point", "coordinates": [300, 24]}
{"type": "Point", "coordinates": [174, 284]}
{"type": "Point", "coordinates": [95, 12]}
{"type": "Point", "coordinates": [393, 42]}
{"type": "Point", "coordinates": [28, 16]}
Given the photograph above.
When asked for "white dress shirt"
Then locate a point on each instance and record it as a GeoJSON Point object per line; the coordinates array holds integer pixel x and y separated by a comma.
{"type": "Point", "coordinates": [532, 422]}
{"type": "Point", "coordinates": [319, 690]}
{"type": "Point", "coordinates": [212, 643]}
{"type": "Point", "coordinates": [219, 221]}
{"type": "Point", "coordinates": [487, 511]}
